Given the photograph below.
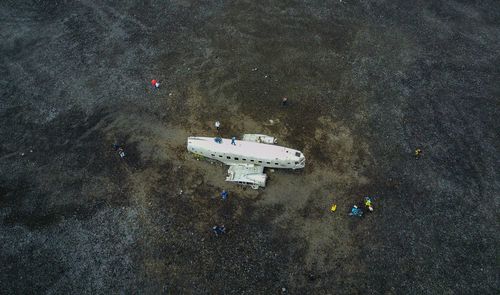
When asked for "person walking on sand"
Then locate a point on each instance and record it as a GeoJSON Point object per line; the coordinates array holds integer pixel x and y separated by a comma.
{"type": "Point", "coordinates": [223, 195]}
{"type": "Point", "coordinates": [121, 152]}
{"type": "Point", "coordinates": [219, 230]}
{"type": "Point", "coordinates": [368, 204]}
{"type": "Point", "coordinates": [284, 101]}
{"type": "Point", "coordinates": [155, 83]}
{"type": "Point", "coordinates": [233, 140]}
{"type": "Point", "coordinates": [355, 211]}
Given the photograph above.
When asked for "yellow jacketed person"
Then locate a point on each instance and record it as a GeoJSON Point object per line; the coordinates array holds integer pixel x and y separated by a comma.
{"type": "Point", "coordinates": [368, 203]}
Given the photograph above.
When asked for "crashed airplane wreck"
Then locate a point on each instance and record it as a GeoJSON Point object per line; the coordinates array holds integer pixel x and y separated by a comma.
{"type": "Point", "coordinates": [247, 157]}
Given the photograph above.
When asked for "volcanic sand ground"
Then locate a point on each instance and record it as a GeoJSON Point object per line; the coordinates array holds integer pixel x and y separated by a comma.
{"type": "Point", "coordinates": [367, 81]}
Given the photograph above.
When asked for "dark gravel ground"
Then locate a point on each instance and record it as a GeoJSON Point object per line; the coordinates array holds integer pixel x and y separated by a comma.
{"type": "Point", "coordinates": [367, 81]}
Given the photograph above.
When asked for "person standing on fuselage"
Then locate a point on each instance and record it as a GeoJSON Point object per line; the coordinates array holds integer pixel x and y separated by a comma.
{"type": "Point", "coordinates": [217, 126]}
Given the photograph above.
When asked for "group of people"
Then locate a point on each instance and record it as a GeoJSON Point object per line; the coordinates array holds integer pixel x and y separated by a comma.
{"type": "Point", "coordinates": [358, 212]}
{"type": "Point", "coordinates": [218, 138]}
{"type": "Point", "coordinates": [221, 229]}
{"type": "Point", "coordinates": [367, 204]}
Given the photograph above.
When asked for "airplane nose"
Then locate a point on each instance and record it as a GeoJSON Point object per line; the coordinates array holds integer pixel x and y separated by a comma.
{"type": "Point", "coordinates": [301, 163]}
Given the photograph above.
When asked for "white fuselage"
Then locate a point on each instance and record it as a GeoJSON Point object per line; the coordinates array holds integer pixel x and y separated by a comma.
{"type": "Point", "coordinates": [246, 152]}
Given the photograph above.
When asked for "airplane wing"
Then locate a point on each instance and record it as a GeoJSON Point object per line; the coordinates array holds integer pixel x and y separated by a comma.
{"type": "Point", "coordinates": [252, 175]}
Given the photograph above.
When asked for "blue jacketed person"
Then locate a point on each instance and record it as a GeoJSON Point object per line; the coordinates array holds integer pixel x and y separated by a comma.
{"type": "Point", "coordinates": [218, 230]}
{"type": "Point", "coordinates": [224, 195]}
{"type": "Point", "coordinates": [355, 211]}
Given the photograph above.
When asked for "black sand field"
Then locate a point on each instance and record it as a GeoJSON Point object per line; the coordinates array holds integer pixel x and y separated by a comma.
{"type": "Point", "coordinates": [368, 82]}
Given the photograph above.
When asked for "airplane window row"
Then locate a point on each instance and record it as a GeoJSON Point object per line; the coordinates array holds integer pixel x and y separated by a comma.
{"type": "Point", "coordinates": [237, 159]}
{"type": "Point", "coordinates": [229, 158]}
